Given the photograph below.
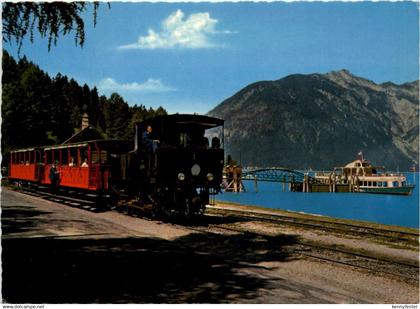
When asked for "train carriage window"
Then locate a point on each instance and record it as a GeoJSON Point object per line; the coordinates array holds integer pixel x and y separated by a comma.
{"type": "Point", "coordinates": [83, 160]}
{"type": "Point", "coordinates": [95, 157]}
{"type": "Point", "coordinates": [32, 157]}
{"type": "Point", "coordinates": [49, 156]}
{"type": "Point", "coordinates": [40, 156]}
{"type": "Point", "coordinates": [104, 157]}
{"type": "Point", "coordinates": [73, 157]}
{"type": "Point", "coordinates": [184, 139]}
{"type": "Point", "coordinates": [99, 157]}
{"type": "Point", "coordinates": [64, 156]}
{"type": "Point", "coordinates": [56, 156]}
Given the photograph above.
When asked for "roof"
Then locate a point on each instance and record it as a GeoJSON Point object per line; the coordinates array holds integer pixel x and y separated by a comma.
{"type": "Point", "coordinates": [187, 119]}
{"type": "Point", "coordinates": [86, 143]}
{"type": "Point", "coordinates": [22, 150]}
{"type": "Point", "coordinates": [87, 134]}
{"type": "Point", "coordinates": [360, 164]}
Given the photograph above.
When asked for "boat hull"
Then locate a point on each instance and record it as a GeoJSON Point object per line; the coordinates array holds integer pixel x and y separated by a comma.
{"type": "Point", "coordinates": [405, 190]}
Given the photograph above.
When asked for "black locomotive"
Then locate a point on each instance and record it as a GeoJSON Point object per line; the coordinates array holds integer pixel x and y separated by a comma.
{"type": "Point", "coordinates": [176, 164]}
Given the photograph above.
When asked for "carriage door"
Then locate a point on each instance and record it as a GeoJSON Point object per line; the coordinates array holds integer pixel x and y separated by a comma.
{"type": "Point", "coordinates": [93, 168]}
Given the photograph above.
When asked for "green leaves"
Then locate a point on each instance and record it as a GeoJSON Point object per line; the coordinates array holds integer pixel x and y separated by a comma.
{"type": "Point", "coordinates": [50, 19]}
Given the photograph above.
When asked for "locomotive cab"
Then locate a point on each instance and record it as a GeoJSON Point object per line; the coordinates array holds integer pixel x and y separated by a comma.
{"type": "Point", "coordinates": [179, 161]}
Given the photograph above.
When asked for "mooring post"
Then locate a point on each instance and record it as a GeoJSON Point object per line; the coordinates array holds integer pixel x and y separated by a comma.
{"type": "Point", "coordinates": [305, 183]}
{"type": "Point", "coordinates": [357, 184]}
{"type": "Point", "coordinates": [329, 182]}
{"type": "Point", "coordinates": [255, 183]}
{"type": "Point", "coordinates": [235, 182]}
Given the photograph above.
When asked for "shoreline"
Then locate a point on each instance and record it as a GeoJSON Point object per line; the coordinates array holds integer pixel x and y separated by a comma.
{"type": "Point", "coordinates": [317, 217]}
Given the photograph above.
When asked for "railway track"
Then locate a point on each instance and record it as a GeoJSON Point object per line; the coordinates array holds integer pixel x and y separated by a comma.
{"type": "Point", "coordinates": [364, 261]}
{"type": "Point", "coordinates": [390, 236]}
{"type": "Point", "coordinates": [402, 270]}
{"type": "Point", "coordinates": [76, 199]}
{"type": "Point", "coordinates": [72, 198]}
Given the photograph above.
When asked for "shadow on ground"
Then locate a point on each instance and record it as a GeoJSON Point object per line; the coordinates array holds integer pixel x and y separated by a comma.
{"type": "Point", "coordinates": [198, 268]}
{"type": "Point", "coordinates": [20, 218]}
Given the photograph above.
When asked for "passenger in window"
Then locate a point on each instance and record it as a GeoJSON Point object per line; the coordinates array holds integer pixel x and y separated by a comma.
{"type": "Point", "coordinates": [72, 163]}
{"type": "Point", "coordinates": [85, 163]}
{"type": "Point", "coordinates": [215, 143]}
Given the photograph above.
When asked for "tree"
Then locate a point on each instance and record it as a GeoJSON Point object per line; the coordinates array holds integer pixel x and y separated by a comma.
{"type": "Point", "coordinates": [51, 19]}
{"type": "Point", "coordinates": [116, 116]}
{"type": "Point", "coordinates": [39, 110]}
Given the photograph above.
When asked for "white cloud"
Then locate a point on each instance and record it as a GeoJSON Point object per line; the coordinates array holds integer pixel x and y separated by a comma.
{"type": "Point", "coordinates": [151, 85]}
{"type": "Point", "coordinates": [178, 32]}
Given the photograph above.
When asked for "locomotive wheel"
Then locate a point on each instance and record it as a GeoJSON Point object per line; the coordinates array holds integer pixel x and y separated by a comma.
{"type": "Point", "coordinates": [156, 212]}
{"type": "Point", "coordinates": [187, 210]}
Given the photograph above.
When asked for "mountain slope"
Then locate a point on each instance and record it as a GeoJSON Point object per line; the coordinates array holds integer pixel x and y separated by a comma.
{"type": "Point", "coordinates": [322, 120]}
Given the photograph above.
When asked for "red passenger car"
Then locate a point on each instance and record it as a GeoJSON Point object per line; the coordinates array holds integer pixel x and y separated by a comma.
{"type": "Point", "coordinates": [84, 165]}
{"type": "Point", "coordinates": [24, 164]}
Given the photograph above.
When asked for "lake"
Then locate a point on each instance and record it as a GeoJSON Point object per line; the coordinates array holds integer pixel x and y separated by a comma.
{"type": "Point", "coordinates": [380, 208]}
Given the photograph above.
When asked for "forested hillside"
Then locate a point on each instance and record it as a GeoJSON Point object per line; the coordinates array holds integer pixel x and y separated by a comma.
{"type": "Point", "coordinates": [41, 110]}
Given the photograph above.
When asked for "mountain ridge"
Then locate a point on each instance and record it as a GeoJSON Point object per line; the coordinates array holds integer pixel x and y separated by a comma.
{"type": "Point", "coordinates": [322, 120]}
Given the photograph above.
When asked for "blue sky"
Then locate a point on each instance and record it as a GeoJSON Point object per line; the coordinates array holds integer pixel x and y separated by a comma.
{"type": "Point", "coordinates": [189, 57]}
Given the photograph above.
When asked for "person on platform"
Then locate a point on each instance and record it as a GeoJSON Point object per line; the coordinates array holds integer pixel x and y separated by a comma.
{"type": "Point", "coordinates": [147, 138]}
{"type": "Point", "coordinates": [54, 177]}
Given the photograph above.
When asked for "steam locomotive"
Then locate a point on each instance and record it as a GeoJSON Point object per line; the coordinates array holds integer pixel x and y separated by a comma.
{"type": "Point", "coordinates": [174, 165]}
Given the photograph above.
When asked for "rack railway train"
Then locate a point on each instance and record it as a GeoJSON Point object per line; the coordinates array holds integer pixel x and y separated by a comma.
{"type": "Point", "coordinates": [174, 168]}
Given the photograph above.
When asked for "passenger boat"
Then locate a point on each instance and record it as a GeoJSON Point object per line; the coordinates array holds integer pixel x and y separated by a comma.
{"type": "Point", "coordinates": [363, 177]}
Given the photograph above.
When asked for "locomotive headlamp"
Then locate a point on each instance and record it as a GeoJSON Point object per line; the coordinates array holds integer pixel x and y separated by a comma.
{"type": "Point", "coordinates": [195, 170]}
{"type": "Point", "coordinates": [181, 176]}
{"type": "Point", "coordinates": [210, 177]}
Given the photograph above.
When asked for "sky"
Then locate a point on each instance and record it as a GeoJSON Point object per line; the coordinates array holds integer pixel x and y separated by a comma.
{"type": "Point", "coordinates": [189, 57]}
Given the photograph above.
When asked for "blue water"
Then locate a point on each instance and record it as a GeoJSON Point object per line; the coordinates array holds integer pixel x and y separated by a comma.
{"type": "Point", "coordinates": [379, 208]}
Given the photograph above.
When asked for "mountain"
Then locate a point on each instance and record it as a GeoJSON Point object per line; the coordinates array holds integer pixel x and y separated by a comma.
{"type": "Point", "coordinates": [320, 121]}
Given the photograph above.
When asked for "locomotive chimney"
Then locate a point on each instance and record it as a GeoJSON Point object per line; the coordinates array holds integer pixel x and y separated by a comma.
{"type": "Point", "coordinates": [85, 121]}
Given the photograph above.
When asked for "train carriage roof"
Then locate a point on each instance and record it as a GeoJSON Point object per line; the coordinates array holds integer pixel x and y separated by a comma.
{"type": "Point", "coordinates": [109, 143]}
{"type": "Point", "coordinates": [206, 122]}
{"type": "Point", "coordinates": [23, 149]}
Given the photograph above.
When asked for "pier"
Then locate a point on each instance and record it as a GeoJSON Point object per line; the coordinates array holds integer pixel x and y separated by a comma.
{"type": "Point", "coordinates": [295, 181]}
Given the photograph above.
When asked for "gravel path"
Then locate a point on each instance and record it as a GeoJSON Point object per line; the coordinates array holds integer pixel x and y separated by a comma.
{"type": "Point", "coordinates": [52, 253]}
